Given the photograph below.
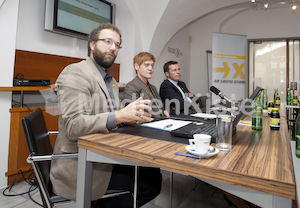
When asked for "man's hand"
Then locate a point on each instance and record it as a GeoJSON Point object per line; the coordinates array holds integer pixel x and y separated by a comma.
{"type": "Point", "coordinates": [191, 95]}
{"type": "Point", "coordinates": [134, 113]}
{"type": "Point", "coordinates": [167, 114]}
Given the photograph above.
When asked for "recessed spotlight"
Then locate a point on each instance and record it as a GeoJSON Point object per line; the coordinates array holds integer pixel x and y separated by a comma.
{"type": "Point", "coordinates": [266, 5]}
{"type": "Point", "coordinates": [294, 7]}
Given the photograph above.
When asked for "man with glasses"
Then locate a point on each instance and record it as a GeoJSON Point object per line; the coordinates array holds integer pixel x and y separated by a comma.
{"type": "Point", "coordinates": [89, 103]}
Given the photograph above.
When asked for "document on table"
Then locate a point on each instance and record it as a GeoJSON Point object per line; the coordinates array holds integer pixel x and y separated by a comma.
{"type": "Point", "coordinates": [219, 108]}
{"type": "Point", "coordinates": [204, 115]}
{"type": "Point", "coordinates": [166, 124]}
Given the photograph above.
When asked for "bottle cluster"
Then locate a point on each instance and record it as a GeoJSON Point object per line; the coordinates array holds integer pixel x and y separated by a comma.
{"type": "Point", "coordinates": [272, 107]}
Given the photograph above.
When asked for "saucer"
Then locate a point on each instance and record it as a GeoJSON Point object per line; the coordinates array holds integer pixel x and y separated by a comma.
{"type": "Point", "coordinates": [190, 149]}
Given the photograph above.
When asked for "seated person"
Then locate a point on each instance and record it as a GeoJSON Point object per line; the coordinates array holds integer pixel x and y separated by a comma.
{"type": "Point", "coordinates": [172, 90]}
{"type": "Point", "coordinates": [89, 103]}
{"type": "Point", "coordinates": [140, 86]}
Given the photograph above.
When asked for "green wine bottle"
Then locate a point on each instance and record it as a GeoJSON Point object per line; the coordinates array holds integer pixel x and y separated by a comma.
{"type": "Point", "coordinates": [289, 97]}
{"type": "Point", "coordinates": [275, 95]}
{"type": "Point", "coordinates": [257, 115]}
{"type": "Point", "coordinates": [265, 99]}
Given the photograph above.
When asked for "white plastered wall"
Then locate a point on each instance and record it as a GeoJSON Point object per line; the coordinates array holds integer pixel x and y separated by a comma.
{"type": "Point", "coordinates": [8, 23]}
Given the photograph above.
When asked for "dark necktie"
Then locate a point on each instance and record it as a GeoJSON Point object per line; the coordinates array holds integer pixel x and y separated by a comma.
{"type": "Point", "coordinates": [107, 80]}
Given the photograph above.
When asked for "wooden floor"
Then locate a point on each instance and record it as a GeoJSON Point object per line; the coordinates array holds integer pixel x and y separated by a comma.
{"type": "Point", "coordinates": [187, 192]}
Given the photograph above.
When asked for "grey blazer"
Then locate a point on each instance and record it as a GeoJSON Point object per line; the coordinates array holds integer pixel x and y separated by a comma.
{"type": "Point", "coordinates": [137, 88]}
{"type": "Point", "coordinates": [84, 104]}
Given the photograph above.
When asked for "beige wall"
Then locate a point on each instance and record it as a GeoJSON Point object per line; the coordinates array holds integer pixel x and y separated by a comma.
{"type": "Point", "coordinates": [255, 24]}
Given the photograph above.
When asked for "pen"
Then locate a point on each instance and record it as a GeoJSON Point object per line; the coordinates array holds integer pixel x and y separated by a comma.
{"type": "Point", "coordinates": [187, 155]}
{"type": "Point", "coordinates": [168, 126]}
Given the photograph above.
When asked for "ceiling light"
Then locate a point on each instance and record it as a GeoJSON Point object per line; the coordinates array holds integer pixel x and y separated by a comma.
{"type": "Point", "coordinates": [253, 1]}
{"type": "Point", "coordinates": [294, 7]}
{"type": "Point", "coordinates": [266, 5]}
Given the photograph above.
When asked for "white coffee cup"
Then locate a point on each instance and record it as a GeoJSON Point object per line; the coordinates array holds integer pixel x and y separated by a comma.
{"type": "Point", "coordinates": [200, 143]}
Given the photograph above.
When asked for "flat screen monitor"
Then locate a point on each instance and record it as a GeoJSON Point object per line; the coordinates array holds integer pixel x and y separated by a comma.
{"type": "Point", "coordinates": [77, 18]}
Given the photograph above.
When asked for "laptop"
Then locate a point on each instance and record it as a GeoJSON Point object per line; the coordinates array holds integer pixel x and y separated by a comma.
{"type": "Point", "coordinates": [209, 126]}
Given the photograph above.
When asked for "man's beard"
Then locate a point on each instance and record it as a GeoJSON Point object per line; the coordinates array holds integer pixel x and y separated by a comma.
{"type": "Point", "coordinates": [99, 57]}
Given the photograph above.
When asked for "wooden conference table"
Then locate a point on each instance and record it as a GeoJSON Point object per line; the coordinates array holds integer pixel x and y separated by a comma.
{"type": "Point", "coordinates": [259, 168]}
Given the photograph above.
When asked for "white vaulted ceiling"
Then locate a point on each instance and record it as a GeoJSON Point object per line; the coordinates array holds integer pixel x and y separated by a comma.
{"type": "Point", "coordinates": [179, 13]}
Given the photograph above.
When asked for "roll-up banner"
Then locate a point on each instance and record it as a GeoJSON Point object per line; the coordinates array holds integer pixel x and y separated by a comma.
{"type": "Point", "coordinates": [229, 65]}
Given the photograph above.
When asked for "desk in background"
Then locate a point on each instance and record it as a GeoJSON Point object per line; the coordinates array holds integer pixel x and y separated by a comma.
{"type": "Point", "coordinates": [258, 169]}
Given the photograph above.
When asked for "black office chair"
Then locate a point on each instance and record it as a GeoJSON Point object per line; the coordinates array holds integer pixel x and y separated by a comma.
{"type": "Point", "coordinates": [41, 154]}
{"type": "Point", "coordinates": [203, 100]}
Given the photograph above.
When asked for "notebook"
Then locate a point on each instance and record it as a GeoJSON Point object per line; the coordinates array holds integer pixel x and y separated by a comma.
{"type": "Point", "coordinates": [210, 128]}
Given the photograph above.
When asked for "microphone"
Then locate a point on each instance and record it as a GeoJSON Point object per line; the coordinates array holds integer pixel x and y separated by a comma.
{"type": "Point", "coordinates": [217, 92]}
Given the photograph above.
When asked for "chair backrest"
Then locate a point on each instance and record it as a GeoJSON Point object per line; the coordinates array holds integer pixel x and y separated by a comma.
{"type": "Point", "coordinates": [38, 143]}
{"type": "Point", "coordinates": [203, 101]}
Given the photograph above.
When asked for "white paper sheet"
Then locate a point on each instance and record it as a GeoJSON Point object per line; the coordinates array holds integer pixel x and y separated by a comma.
{"type": "Point", "coordinates": [204, 115]}
{"type": "Point", "coordinates": [166, 124]}
{"type": "Point", "coordinates": [219, 108]}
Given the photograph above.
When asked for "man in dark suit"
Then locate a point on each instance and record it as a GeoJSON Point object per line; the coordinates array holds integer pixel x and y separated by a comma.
{"type": "Point", "coordinates": [173, 92]}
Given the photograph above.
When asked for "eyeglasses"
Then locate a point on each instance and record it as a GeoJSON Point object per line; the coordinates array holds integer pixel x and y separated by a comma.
{"type": "Point", "coordinates": [110, 42]}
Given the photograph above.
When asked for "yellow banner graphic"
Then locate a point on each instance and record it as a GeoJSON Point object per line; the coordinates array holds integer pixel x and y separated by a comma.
{"type": "Point", "coordinates": [229, 56]}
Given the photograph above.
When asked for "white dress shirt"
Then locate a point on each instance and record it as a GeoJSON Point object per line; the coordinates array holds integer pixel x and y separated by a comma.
{"type": "Point", "coordinates": [175, 83]}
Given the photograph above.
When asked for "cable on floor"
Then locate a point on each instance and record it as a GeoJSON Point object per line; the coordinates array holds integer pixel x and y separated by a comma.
{"type": "Point", "coordinates": [28, 179]}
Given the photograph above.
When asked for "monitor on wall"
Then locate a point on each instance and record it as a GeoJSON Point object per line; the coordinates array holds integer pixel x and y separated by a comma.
{"type": "Point", "coordinates": [77, 18]}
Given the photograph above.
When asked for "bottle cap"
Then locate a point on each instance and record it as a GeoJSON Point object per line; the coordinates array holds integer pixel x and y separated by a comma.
{"type": "Point", "coordinates": [271, 101]}
{"type": "Point", "coordinates": [275, 109]}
